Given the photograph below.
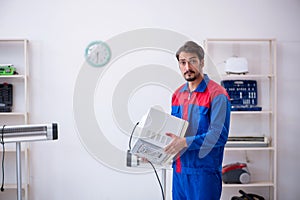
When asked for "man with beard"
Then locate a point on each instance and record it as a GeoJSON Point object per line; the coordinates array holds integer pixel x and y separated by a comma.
{"type": "Point", "coordinates": [205, 104]}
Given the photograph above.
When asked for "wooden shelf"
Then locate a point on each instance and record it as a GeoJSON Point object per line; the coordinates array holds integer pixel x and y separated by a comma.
{"type": "Point", "coordinates": [240, 39]}
{"type": "Point", "coordinates": [13, 77]}
{"type": "Point", "coordinates": [246, 76]}
{"type": "Point", "coordinates": [252, 184]}
{"type": "Point", "coordinates": [251, 112]}
{"type": "Point", "coordinates": [14, 186]}
{"type": "Point", "coordinates": [13, 113]}
{"type": "Point", "coordinates": [249, 148]}
{"type": "Point", "coordinates": [261, 56]}
{"type": "Point", "coordinates": [18, 56]}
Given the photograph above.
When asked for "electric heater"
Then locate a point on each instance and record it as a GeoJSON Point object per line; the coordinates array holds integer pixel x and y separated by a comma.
{"type": "Point", "coordinates": [27, 133]}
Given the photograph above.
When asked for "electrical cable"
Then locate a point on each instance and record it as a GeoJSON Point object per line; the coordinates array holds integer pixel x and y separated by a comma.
{"type": "Point", "coordinates": [161, 188]}
{"type": "Point", "coordinates": [3, 154]}
{"type": "Point", "coordinates": [129, 145]}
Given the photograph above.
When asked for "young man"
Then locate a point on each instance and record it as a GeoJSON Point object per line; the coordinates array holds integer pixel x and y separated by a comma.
{"type": "Point", "coordinates": [205, 104]}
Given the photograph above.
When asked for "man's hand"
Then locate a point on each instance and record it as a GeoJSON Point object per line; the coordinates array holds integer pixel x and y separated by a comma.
{"type": "Point", "coordinates": [176, 145]}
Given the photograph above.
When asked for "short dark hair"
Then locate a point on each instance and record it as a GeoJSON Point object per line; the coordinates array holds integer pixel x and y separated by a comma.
{"type": "Point", "coordinates": [191, 47]}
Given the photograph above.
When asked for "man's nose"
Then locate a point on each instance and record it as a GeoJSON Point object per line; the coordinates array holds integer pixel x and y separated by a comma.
{"type": "Point", "coordinates": [187, 66]}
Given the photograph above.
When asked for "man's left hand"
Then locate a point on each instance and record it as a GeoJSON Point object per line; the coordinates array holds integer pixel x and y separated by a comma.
{"type": "Point", "coordinates": [176, 145]}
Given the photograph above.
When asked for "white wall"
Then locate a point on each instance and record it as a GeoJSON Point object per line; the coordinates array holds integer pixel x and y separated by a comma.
{"type": "Point", "coordinates": [59, 32]}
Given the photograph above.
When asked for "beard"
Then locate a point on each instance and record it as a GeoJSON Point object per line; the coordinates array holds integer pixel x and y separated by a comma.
{"type": "Point", "coordinates": [191, 75]}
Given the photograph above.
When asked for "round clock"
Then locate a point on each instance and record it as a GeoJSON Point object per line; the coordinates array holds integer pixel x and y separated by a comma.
{"type": "Point", "coordinates": [97, 53]}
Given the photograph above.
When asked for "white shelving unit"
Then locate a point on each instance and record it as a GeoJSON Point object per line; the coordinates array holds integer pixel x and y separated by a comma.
{"type": "Point", "coordinates": [261, 161]}
{"type": "Point", "coordinates": [15, 51]}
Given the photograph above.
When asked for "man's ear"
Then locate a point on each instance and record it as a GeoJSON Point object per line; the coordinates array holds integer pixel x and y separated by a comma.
{"type": "Point", "coordinates": [202, 63]}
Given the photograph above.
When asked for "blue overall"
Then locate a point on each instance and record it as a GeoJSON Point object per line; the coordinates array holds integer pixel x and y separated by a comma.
{"type": "Point", "coordinates": [197, 169]}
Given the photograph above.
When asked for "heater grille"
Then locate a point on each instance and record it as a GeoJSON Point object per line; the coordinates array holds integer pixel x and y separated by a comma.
{"type": "Point", "coordinates": [29, 132]}
{"type": "Point", "coordinates": [24, 130]}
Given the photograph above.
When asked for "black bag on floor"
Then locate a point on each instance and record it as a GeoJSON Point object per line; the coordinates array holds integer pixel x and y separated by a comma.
{"type": "Point", "coordinates": [247, 196]}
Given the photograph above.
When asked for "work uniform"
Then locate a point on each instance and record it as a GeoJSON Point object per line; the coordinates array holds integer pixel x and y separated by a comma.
{"type": "Point", "coordinates": [197, 169]}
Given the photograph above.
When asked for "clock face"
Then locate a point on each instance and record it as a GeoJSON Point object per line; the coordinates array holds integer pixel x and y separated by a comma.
{"type": "Point", "coordinates": [97, 54]}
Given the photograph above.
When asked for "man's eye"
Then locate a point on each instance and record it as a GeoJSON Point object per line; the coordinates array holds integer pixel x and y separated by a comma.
{"type": "Point", "coordinates": [193, 62]}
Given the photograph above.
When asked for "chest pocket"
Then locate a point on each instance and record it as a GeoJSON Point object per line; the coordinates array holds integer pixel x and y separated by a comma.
{"type": "Point", "coordinates": [204, 119]}
{"type": "Point", "coordinates": [176, 111]}
{"type": "Point", "coordinates": [200, 119]}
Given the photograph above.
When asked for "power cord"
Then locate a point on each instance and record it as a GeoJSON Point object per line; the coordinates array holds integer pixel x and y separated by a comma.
{"type": "Point", "coordinates": [129, 144]}
{"type": "Point", "coordinates": [3, 154]}
{"type": "Point", "coordinates": [159, 182]}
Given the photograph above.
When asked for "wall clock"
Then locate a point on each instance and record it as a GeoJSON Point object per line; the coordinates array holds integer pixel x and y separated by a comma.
{"type": "Point", "coordinates": [97, 54]}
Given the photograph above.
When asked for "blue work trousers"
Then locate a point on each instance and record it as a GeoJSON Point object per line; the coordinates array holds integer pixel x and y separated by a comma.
{"type": "Point", "coordinates": [200, 186]}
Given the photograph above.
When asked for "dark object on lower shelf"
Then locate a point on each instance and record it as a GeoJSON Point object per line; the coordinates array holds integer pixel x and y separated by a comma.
{"type": "Point", "coordinates": [247, 196]}
{"type": "Point", "coordinates": [6, 97]}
